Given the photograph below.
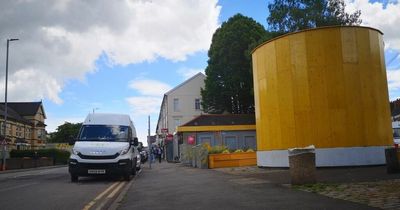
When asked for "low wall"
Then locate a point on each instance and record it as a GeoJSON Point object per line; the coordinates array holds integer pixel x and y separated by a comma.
{"type": "Point", "coordinates": [232, 160]}
{"type": "Point", "coordinates": [20, 163]}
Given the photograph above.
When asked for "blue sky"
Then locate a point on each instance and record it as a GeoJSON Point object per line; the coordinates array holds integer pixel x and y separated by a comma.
{"type": "Point", "coordinates": [122, 57]}
{"type": "Point", "coordinates": [106, 89]}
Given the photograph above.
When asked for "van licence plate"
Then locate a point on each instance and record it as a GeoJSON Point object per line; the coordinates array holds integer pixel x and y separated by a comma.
{"type": "Point", "coordinates": [96, 171]}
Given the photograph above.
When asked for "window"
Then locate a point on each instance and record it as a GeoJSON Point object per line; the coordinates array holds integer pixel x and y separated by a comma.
{"type": "Point", "coordinates": [231, 142]}
{"type": "Point", "coordinates": [197, 104]}
{"type": "Point", "coordinates": [396, 133]}
{"type": "Point", "coordinates": [176, 104]}
{"type": "Point", "coordinates": [39, 133]}
{"type": "Point", "coordinates": [177, 122]}
{"type": "Point", "coordinates": [250, 142]}
{"type": "Point", "coordinates": [8, 130]}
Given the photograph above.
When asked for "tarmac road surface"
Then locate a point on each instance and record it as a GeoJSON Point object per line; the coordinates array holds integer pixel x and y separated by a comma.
{"type": "Point", "coordinates": [174, 186]}
{"type": "Point", "coordinates": [51, 188]}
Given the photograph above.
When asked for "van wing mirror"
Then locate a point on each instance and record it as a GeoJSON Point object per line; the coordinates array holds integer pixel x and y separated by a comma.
{"type": "Point", "coordinates": [135, 142]}
{"type": "Point", "coordinates": [71, 140]}
{"type": "Point", "coordinates": [140, 147]}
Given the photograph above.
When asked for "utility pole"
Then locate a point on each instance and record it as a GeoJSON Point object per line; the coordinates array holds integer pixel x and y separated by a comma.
{"type": "Point", "coordinates": [4, 142]}
{"type": "Point", "coordinates": [149, 144]}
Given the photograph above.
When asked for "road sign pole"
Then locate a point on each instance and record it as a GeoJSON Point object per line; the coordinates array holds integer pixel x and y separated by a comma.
{"type": "Point", "coordinates": [149, 145]}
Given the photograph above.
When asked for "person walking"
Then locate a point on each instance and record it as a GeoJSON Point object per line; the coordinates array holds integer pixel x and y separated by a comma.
{"type": "Point", "coordinates": [153, 154]}
{"type": "Point", "coordinates": [159, 152]}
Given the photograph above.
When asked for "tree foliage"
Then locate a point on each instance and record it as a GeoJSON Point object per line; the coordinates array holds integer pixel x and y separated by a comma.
{"type": "Point", "coordinates": [64, 132]}
{"type": "Point", "coordinates": [294, 15]}
{"type": "Point", "coordinates": [229, 82]}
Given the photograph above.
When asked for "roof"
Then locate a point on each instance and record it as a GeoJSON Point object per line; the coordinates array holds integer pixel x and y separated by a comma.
{"type": "Point", "coordinates": [25, 108]}
{"type": "Point", "coordinates": [222, 119]}
{"type": "Point", "coordinates": [395, 107]}
{"type": "Point", "coordinates": [396, 111]}
{"type": "Point", "coordinates": [312, 29]}
{"type": "Point", "coordinates": [108, 119]}
{"type": "Point", "coordinates": [185, 82]}
{"type": "Point", "coordinates": [12, 114]}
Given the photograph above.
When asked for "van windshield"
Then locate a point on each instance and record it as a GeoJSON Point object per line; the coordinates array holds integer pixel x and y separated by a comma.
{"type": "Point", "coordinates": [104, 133]}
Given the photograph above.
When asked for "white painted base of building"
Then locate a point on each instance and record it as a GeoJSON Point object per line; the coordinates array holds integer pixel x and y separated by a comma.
{"type": "Point", "coordinates": [328, 157]}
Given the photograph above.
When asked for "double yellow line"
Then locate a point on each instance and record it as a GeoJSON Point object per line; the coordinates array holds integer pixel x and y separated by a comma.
{"type": "Point", "coordinates": [102, 199]}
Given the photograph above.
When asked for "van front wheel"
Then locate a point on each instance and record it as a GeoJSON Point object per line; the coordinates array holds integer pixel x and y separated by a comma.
{"type": "Point", "coordinates": [74, 178]}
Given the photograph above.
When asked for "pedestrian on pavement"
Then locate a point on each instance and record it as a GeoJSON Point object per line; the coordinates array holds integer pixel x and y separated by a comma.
{"type": "Point", "coordinates": [152, 154]}
{"type": "Point", "coordinates": [159, 154]}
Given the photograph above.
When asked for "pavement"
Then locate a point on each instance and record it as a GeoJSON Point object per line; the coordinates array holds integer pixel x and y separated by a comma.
{"type": "Point", "coordinates": [370, 186]}
{"type": "Point", "coordinates": [175, 186]}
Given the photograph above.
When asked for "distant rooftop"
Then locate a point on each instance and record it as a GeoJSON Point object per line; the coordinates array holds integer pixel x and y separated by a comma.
{"type": "Point", "coordinates": [24, 108]}
{"type": "Point", "coordinates": [222, 119]}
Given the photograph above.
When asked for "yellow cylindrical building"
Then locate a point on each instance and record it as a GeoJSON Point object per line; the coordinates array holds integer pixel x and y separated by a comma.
{"type": "Point", "coordinates": [325, 87]}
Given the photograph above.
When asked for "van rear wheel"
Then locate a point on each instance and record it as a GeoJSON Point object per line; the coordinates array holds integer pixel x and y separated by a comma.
{"type": "Point", "coordinates": [127, 176]}
{"type": "Point", "coordinates": [134, 168]}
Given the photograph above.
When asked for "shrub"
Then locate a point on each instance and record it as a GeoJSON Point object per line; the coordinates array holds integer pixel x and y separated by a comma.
{"type": "Point", "coordinates": [59, 156]}
{"type": "Point", "coordinates": [250, 150]}
{"type": "Point", "coordinates": [238, 151]}
{"type": "Point", "coordinates": [216, 149]}
{"type": "Point", "coordinates": [226, 151]}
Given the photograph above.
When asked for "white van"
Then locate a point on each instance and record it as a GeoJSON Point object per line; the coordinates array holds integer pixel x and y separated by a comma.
{"type": "Point", "coordinates": [106, 145]}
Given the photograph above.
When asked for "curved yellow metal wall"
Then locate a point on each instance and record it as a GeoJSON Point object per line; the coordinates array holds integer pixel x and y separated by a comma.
{"type": "Point", "coordinates": [325, 87]}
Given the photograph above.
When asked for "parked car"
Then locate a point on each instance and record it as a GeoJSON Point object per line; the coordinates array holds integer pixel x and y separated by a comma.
{"type": "Point", "coordinates": [144, 156]}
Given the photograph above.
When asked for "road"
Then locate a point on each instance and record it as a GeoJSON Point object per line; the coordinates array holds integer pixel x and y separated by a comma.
{"type": "Point", "coordinates": [51, 188]}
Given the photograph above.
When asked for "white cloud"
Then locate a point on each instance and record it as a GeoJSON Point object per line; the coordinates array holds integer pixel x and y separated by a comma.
{"type": "Point", "coordinates": [393, 79]}
{"type": "Point", "coordinates": [34, 84]}
{"type": "Point", "coordinates": [61, 40]}
{"type": "Point", "coordinates": [386, 19]}
{"type": "Point", "coordinates": [144, 105]}
{"type": "Point", "coordinates": [186, 73]}
{"type": "Point", "coordinates": [151, 93]}
{"type": "Point", "coordinates": [149, 87]}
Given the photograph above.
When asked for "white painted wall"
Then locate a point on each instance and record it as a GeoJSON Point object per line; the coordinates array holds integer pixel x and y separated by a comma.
{"type": "Point", "coordinates": [186, 93]}
{"type": "Point", "coordinates": [328, 157]}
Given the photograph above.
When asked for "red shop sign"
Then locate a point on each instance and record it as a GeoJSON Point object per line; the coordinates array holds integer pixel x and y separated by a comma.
{"type": "Point", "coordinates": [191, 140]}
{"type": "Point", "coordinates": [170, 137]}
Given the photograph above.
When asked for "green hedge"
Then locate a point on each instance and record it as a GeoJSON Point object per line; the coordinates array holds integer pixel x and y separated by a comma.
{"type": "Point", "coordinates": [59, 156]}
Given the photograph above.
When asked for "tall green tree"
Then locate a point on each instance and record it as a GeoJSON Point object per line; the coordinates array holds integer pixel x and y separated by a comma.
{"type": "Point", "coordinates": [64, 132]}
{"type": "Point", "coordinates": [294, 15]}
{"type": "Point", "coordinates": [229, 82]}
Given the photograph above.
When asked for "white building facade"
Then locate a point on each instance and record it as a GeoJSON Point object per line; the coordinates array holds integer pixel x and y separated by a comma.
{"type": "Point", "coordinates": [179, 105]}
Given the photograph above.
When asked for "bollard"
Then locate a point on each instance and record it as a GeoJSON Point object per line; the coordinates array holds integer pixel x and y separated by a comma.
{"type": "Point", "coordinates": [302, 166]}
{"type": "Point", "coordinates": [392, 161]}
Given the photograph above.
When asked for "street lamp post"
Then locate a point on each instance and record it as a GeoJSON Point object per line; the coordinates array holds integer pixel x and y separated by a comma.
{"type": "Point", "coordinates": [5, 108]}
{"type": "Point", "coordinates": [95, 109]}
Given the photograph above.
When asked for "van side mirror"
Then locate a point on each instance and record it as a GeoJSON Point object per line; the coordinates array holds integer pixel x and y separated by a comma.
{"type": "Point", "coordinates": [135, 142]}
{"type": "Point", "coordinates": [71, 140]}
{"type": "Point", "coordinates": [140, 147]}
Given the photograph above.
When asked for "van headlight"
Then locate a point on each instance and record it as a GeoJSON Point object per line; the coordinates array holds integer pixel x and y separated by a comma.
{"type": "Point", "coordinates": [74, 151]}
{"type": "Point", "coordinates": [124, 150]}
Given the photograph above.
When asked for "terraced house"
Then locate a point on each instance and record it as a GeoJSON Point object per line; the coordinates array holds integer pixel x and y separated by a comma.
{"type": "Point", "coordinates": [26, 128]}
